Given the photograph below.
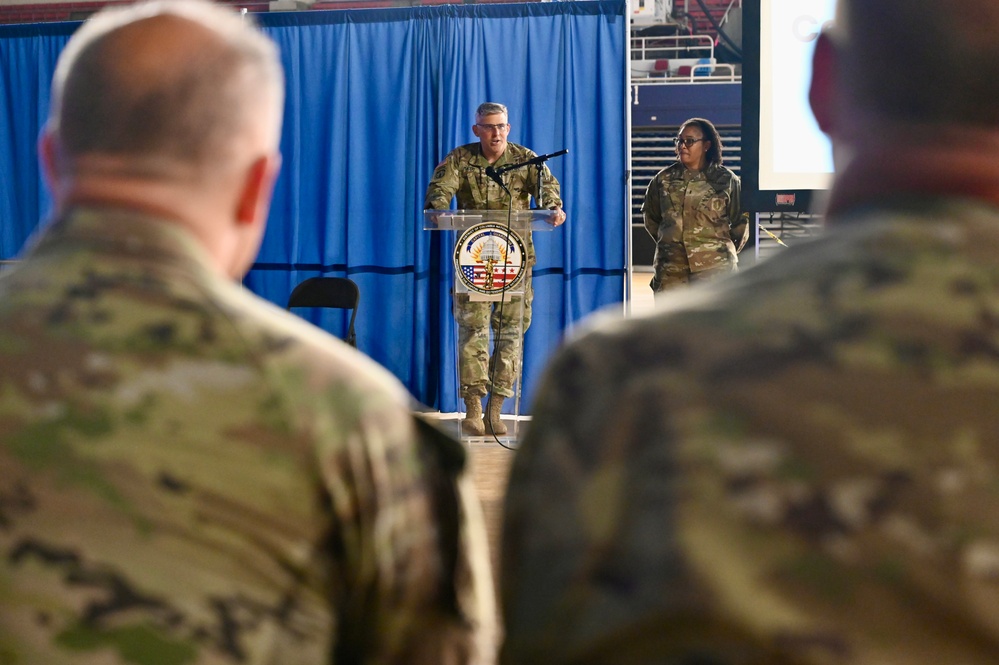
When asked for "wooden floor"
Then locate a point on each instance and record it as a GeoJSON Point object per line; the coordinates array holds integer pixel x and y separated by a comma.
{"type": "Point", "coordinates": [490, 464]}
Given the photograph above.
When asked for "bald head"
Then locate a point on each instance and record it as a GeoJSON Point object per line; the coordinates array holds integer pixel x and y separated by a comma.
{"type": "Point", "coordinates": [167, 88]}
{"type": "Point", "coordinates": [922, 61]}
{"type": "Point", "coordinates": [170, 108]}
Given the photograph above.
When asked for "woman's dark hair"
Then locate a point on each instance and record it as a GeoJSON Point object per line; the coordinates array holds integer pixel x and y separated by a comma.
{"type": "Point", "coordinates": [713, 157]}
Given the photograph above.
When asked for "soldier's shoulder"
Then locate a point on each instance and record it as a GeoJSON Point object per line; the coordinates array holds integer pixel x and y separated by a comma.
{"type": "Point", "coordinates": [465, 152]}
{"type": "Point", "coordinates": [457, 159]}
{"type": "Point", "coordinates": [520, 152]}
{"type": "Point", "coordinates": [663, 176]}
{"type": "Point", "coordinates": [721, 177]}
{"type": "Point", "coordinates": [679, 328]}
{"type": "Point", "coordinates": [287, 342]}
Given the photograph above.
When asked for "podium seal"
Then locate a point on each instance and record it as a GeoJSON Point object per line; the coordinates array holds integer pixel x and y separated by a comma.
{"type": "Point", "coordinates": [489, 258]}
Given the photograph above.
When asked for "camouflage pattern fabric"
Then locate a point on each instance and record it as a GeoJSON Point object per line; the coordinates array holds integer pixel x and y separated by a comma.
{"type": "Point", "coordinates": [508, 323]}
{"type": "Point", "coordinates": [799, 465]}
{"type": "Point", "coordinates": [697, 222]}
{"type": "Point", "coordinates": [462, 174]}
{"type": "Point", "coordinates": [190, 475]}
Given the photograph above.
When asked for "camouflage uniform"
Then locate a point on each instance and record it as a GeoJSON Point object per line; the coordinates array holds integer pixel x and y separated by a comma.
{"type": "Point", "coordinates": [463, 174]}
{"type": "Point", "coordinates": [697, 223]}
{"type": "Point", "coordinates": [190, 475]}
{"type": "Point", "coordinates": [800, 466]}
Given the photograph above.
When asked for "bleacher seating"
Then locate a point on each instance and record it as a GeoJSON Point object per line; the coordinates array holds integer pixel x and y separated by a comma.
{"type": "Point", "coordinates": [663, 52]}
{"type": "Point", "coordinates": [696, 20]}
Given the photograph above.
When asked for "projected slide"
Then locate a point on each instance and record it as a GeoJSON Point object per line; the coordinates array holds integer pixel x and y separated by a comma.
{"type": "Point", "coordinates": [794, 154]}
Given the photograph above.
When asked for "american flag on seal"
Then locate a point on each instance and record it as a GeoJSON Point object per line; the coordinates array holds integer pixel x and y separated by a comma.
{"type": "Point", "coordinates": [502, 275]}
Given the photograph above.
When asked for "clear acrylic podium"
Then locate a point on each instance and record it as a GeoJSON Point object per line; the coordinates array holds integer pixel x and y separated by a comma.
{"type": "Point", "coordinates": [489, 253]}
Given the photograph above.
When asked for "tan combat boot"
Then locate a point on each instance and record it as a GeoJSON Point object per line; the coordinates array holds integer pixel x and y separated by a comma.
{"type": "Point", "coordinates": [472, 423]}
{"type": "Point", "coordinates": [493, 410]}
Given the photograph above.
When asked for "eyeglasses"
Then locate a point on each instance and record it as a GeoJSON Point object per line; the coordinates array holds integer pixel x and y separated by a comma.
{"type": "Point", "coordinates": [496, 128]}
{"type": "Point", "coordinates": [686, 142]}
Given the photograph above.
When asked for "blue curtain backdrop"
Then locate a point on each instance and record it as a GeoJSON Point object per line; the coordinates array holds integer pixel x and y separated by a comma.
{"type": "Point", "coordinates": [376, 98]}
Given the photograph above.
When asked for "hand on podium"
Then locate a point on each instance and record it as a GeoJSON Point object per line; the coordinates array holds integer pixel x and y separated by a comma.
{"type": "Point", "coordinates": [558, 218]}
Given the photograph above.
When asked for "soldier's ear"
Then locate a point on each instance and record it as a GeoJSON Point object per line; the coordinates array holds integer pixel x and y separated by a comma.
{"type": "Point", "coordinates": [49, 158]}
{"type": "Point", "coordinates": [822, 89]}
{"type": "Point", "coordinates": [257, 187]}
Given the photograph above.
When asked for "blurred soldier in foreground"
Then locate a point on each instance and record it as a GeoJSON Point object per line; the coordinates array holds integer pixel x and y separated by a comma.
{"type": "Point", "coordinates": [463, 175]}
{"type": "Point", "coordinates": [800, 464]}
{"type": "Point", "coordinates": [187, 473]}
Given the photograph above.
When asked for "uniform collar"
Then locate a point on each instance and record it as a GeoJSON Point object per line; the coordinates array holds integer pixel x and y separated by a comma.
{"type": "Point", "coordinates": [123, 232]}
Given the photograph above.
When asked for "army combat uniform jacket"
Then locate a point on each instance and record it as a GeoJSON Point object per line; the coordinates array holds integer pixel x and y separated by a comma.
{"type": "Point", "coordinates": [697, 222]}
{"type": "Point", "coordinates": [190, 475]}
{"type": "Point", "coordinates": [796, 467]}
{"type": "Point", "coordinates": [462, 174]}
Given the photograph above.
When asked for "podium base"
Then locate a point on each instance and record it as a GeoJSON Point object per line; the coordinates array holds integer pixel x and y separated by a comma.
{"type": "Point", "coordinates": [515, 425]}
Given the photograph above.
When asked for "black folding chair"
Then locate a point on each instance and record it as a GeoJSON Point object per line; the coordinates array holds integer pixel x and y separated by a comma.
{"type": "Point", "coordinates": [332, 293]}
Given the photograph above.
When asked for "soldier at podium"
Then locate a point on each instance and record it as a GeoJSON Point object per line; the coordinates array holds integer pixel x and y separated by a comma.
{"type": "Point", "coordinates": [469, 172]}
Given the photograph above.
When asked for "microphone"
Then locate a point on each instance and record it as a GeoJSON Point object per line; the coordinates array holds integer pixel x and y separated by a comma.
{"type": "Point", "coordinates": [495, 175]}
{"type": "Point", "coordinates": [545, 158]}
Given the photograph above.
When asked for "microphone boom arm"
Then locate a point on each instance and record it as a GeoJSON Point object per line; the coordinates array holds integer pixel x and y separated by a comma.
{"type": "Point", "coordinates": [539, 160]}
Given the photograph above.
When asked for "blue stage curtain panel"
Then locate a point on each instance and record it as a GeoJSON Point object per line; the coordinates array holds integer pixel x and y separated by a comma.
{"type": "Point", "coordinates": [375, 100]}
{"type": "Point", "coordinates": [28, 55]}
